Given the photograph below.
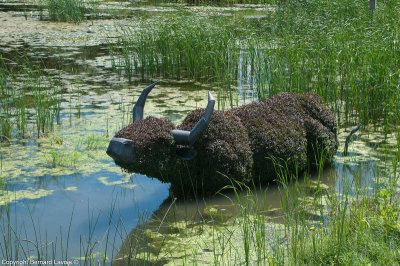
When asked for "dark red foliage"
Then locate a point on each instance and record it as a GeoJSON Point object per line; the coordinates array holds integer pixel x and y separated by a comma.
{"type": "Point", "coordinates": [283, 128]}
{"type": "Point", "coordinates": [289, 130]}
{"type": "Point", "coordinates": [154, 144]}
{"type": "Point", "coordinates": [223, 151]}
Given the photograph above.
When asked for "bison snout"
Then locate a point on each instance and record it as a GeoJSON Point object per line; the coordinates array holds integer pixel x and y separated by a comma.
{"type": "Point", "coordinates": [122, 150]}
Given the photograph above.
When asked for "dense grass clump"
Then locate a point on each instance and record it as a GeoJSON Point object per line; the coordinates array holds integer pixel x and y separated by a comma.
{"type": "Point", "coordinates": [179, 47]}
{"type": "Point", "coordinates": [351, 230]}
{"type": "Point", "coordinates": [29, 99]}
{"type": "Point", "coordinates": [67, 10]}
{"type": "Point", "coordinates": [337, 49]}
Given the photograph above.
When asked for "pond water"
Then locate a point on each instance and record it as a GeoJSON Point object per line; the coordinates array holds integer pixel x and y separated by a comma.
{"type": "Point", "coordinates": [62, 191]}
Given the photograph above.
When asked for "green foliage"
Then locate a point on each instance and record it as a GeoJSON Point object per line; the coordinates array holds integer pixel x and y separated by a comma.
{"type": "Point", "coordinates": [68, 10]}
{"type": "Point", "coordinates": [183, 46]}
{"type": "Point", "coordinates": [337, 49]}
{"type": "Point", "coordinates": [27, 90]}
{"type": "Point", "coordinates": [355, 227]}
{"type": "Point", "coordinates": [218, 2]}
{"type": "Point", "coordinates": [387, 213]}
{"type": "Point", "coordinates": [365, 239]}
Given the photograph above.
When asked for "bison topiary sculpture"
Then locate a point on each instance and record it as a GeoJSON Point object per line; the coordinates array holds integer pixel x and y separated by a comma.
{"type": "Point", "coordinates": [244, 144]}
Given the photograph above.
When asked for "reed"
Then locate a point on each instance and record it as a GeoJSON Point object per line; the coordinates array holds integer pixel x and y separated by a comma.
{"type": "Point", "coordinates": [179, 47]}
{"type": "Point", "coordinates": [70, 10]}
{"type": "Point", "coordinates": [29, 98]}
{"type": "Point", "coordinates": [334, 48]}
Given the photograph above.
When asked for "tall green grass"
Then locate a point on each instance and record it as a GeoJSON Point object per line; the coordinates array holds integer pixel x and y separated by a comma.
{"type": "Point", "coordinates": [29, 100]}
{"type": "Point", "coordinates": [178, 47]}
{"type": "Point", "coordinates": [338, 49]}
{"type": "Point", "coordinates": [70, 10]}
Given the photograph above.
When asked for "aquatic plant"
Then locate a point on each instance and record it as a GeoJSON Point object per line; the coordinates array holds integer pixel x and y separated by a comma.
{"type": "Point", "coordinates": [69, 10]}
{"type": "Point", "coordinates": [339, 51]}
{"type": "Point", "coordinates": [218, 2]}
{"type": "Point", "coordinates": [91, 142]}
{"type": "Point", "coordinates": [292, 129]}
{"type": "Point", "coordinates": [26, 91]}
{"type": "Point", "coordinates": [346, 226]}
{"type": "Point", "coordinates": [183, 46]}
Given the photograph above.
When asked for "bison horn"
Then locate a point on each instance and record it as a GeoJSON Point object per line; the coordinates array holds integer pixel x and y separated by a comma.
{"type": "Point", "coordinates": [139, 105]}
{"type": "Point", "coordinates": [184, 137]}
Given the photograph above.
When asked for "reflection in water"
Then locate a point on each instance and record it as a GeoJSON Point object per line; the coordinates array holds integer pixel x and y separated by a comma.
{"type": "Point", "coordinates": [86, 215]}
{"type": "Point", "coordinates": [179, 222]}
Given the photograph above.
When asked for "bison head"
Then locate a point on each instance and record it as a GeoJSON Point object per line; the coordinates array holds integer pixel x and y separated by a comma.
{"type": "Point", "coordinates": [153, 145]}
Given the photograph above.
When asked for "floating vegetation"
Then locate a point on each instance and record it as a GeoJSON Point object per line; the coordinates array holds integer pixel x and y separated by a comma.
{"type": "Point", "coordinates": [202, 243]}
{"type": "Point", "coordinates": [105, 180]}
{"type": "Point", "coordinates": [7, 196]}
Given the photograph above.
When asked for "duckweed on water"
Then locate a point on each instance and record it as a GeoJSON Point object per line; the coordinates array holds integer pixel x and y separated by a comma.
{"type": "Point", "coordinates": [7, 197]}
{"type": "Point", "coordinates": [201, 243]}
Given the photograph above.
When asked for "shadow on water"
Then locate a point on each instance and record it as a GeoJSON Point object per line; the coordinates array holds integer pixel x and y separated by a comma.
{"type": "Point", "coordinates": [177, 221]}
{"type": "Point", "coordinates": [221, 209]}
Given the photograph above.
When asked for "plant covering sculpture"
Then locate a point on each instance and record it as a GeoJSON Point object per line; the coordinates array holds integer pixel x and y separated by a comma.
{"type": "Point", "coordinates": [212, 148]}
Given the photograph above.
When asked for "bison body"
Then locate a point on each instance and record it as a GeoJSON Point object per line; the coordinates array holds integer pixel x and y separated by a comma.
{"type": "Point", "coordinates": [244, 144]}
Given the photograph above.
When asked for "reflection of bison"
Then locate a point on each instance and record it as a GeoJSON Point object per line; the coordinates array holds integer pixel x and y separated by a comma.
{"type": "Point", "coordinates": [243, 144]}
